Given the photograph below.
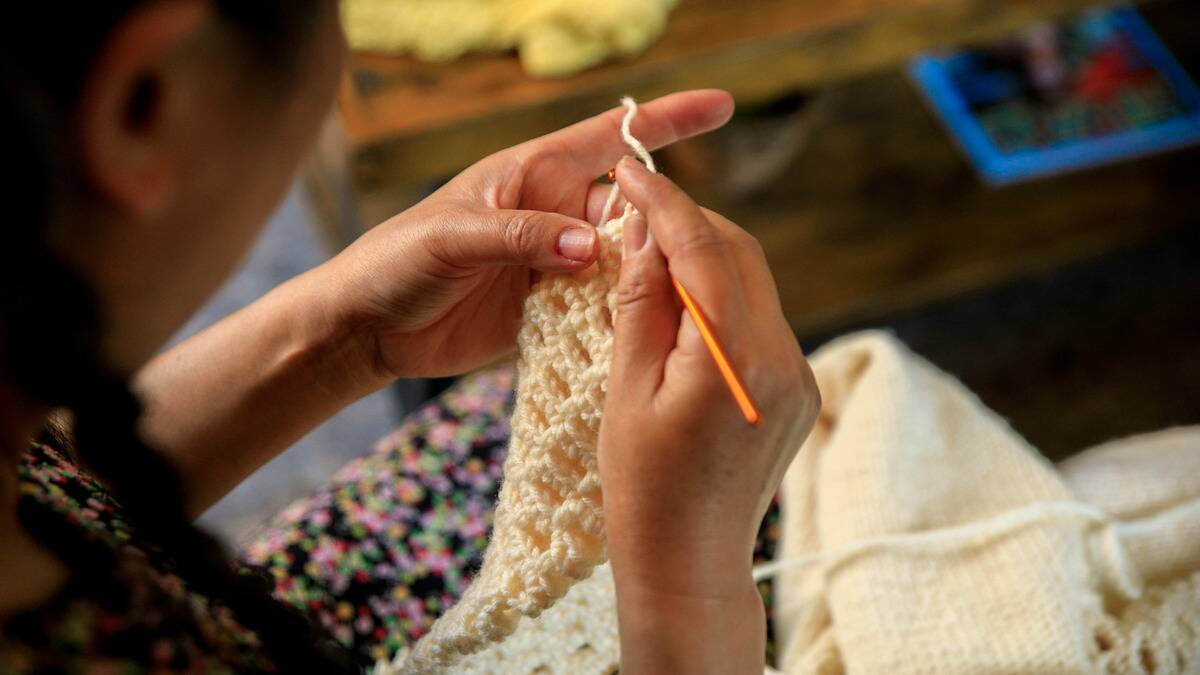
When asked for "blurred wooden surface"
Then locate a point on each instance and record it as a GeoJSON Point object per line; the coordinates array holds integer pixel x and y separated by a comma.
{"type": "Point", "coordinates": [1070, 304]}
{"type": "Point", "coordinates": [1100, 348]}
{"type": "Point", "coordinates": [404, 122]}
{"type": "Point", "coordinates": [880, 213]}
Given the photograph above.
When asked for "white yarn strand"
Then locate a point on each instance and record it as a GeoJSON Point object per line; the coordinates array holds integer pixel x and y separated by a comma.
{"type": "Point", "coordinates": [631, 109]}
{"type": "Point", "coordinates": [924, 542]}
{"type": "Point", "coordinates": [639, 149]}
{"type": "Point", "coordinates": [975, 533]}
{"type": "Point", "coordinates": [609, 204]}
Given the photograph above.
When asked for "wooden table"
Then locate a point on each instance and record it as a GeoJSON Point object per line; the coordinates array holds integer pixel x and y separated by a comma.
{"type": "Point", "coordinates": [401, 124]}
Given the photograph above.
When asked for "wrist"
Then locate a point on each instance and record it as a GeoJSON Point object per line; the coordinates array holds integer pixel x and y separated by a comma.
{"type": "Point", "coordinates": [226, 401]}
{"type": "Point", "coordinates": [341, 356]}
{"type": "Point", "coordinates": [683, 563]}
{"type": "Point", "coordinates": [718, 630]}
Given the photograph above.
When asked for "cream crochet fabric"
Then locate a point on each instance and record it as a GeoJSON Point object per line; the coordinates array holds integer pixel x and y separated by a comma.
{"type": "Point", "coordinates": [553, 37]}
{"type": "Point", "coordinates": [577, 636]}
{"type": "Point", "coordinates": [549, 526]}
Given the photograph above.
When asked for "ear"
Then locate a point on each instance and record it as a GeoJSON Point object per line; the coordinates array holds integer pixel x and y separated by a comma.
{"type": "Point", "coordinates": [128, 126]}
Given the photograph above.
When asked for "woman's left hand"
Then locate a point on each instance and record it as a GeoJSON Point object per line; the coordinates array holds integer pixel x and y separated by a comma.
{"type": "Point", "coordinates": [438, 289]}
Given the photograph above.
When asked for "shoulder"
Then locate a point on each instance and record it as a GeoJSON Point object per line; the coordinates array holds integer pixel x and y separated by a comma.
{"type": "Point", "coordinates": [51, 478]}
{"type": "Point", "coordinates": [123, 609]}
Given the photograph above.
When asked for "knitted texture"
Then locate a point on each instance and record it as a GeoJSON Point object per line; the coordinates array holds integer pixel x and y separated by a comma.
{"type": "Point", "coordinates": [577, 636]}
{"type": "Point", "coordinates": [921, 534]}
{"type": "Point", "coordinates": [549, 522]}
{"type": "Point", "coordinates": [553, 37]}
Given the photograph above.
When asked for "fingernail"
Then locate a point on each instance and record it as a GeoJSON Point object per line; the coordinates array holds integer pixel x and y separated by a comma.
{"type": "Point", "coordinates": [634, 233]}
{"type": "Point", "coordinates": [577, 243]}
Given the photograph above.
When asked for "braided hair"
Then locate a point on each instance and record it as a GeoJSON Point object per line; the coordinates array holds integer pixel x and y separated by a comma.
{"type": "Point", "coordinates": [50, 326]}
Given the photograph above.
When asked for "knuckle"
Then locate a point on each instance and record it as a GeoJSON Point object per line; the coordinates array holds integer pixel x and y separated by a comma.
{"type": "Point", "coordinates": [520, 234]}
{"type": "Point", "coordinates": [750, 242]}
{"type": "Point", "coordinates": [636, 288]}
{"type": "Point", "coordinates": [786, 383]}
{"type": "Point", "coordinates": [813, 391]}
{"type": "Point", "coordinates": [790, 384]}
{"type": "Point", "coordinates": [703, 243]}
{"type": "Point", "coordinates": [442, 231]}
{"type": "Point", "coordinates": [451, 219]}
{"type": "Point", "coordinates": [613, 119]}
{"type": "Point", "coordinates": [528, 157]}
{"type": "Point", "coordinates": [764, 381]}
{"type": "Point", "coordinates": [738, 235]}
{"type": "Point", "coordinates": [800, 392]}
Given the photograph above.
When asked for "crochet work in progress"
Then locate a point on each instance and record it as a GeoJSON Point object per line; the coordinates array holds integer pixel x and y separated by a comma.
{"type": "Point", "coordinates": [943, 543]}
{"type": "Point", "coordinates": [548, 529]}
{"type": "Point", "coordinates": [549, 526]}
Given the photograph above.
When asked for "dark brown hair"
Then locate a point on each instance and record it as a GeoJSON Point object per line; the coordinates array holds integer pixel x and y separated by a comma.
{"type": "Point", "coordinates": [50, 325]}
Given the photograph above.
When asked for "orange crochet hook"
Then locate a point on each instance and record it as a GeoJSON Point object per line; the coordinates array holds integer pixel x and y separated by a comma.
{"type": "Point", "coordinates": [714, 347]}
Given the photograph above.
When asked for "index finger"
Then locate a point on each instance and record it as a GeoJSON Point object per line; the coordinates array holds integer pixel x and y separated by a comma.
{"type": "Point", "coordinates": [697, 252]}
{"type": "Point", "coordinates": [595, 144]}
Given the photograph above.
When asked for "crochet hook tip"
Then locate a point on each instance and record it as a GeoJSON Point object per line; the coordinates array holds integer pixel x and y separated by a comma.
{"type": "Point", "coordinates": [740, 395]}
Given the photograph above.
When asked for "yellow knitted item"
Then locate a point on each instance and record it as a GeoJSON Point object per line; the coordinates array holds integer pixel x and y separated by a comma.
{"type": "Point", "coordinates": [549, 523]}
{"type": "Point", "coordinates": [553, 37]}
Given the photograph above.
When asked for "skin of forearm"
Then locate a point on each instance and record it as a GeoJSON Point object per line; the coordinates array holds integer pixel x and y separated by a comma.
{"type": "Point", "coordinates": [683, 613]}
{"type": "Point", "coordinates": [226, 401]}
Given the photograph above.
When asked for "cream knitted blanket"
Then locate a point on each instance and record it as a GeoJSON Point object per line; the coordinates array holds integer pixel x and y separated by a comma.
{"type": "Point", "coordinates": [553, 37]}
{"type": "Point", "coordinates": [922, 534]}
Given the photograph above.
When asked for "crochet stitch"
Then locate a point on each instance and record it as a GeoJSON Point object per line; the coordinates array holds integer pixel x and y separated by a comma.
{"type": "Point", "coordinates": [549, 522]}
{"type": "Point", "coordinates": [548, 530]}
{"type": "Point", "coordinates": [577, 636]}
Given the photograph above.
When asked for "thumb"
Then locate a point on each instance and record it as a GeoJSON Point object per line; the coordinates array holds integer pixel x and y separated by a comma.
{"type": "Point", "coordinates": [648, 313]}
{"type": "Point", "coordinates": [547, 242]}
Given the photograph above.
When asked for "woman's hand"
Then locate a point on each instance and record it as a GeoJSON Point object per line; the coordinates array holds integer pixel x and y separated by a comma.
{"type": "Point", "coordinates": [434, 291]}
{"type": "Point", "coordinates": [686, 479]}
{"type": "Point", "coordinates": [439, 289]}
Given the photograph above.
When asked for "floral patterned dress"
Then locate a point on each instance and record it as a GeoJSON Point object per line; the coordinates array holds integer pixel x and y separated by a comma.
{"type": "Point", "coordinates": [140, 617]}
{"type": "Point", "coordinates": [374, 557]}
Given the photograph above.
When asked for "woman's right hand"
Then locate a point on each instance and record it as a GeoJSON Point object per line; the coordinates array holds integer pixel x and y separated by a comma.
{"type": "Point", "coordinates": [686, 479]}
